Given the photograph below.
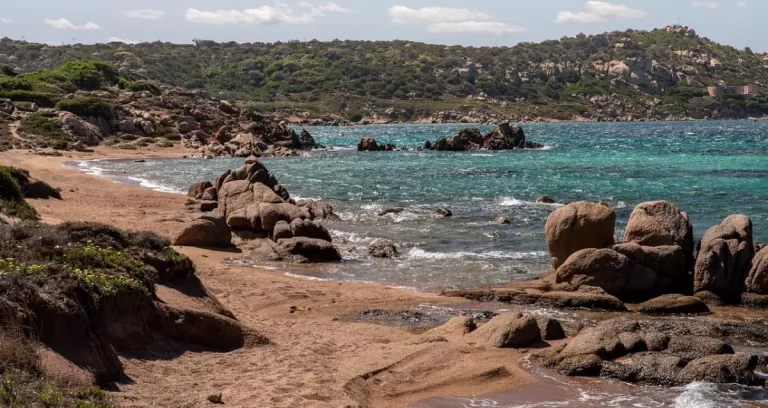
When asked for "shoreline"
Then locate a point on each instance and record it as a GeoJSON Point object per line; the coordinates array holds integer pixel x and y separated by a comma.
{"type": "Point", "coordinates": [314, 356]}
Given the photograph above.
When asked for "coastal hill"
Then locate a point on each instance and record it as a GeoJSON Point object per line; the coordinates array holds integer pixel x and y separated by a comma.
{"type": "Point", "coordinates": [628, 75]}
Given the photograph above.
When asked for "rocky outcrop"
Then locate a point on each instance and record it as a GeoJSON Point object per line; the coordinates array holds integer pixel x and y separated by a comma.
{"type": "Point", "coordinates": [723, 262]}
{"type": "Point", "coordinates": [253, 205]}
{"type": "Point", "coordinates": [382, 248]}
{"type": "Point", "coordinates": [578, 226]}
{"type": "Point", "coordinates": [369, 144]}
{"type": "Point", "coordinates": [209, 230]}
{"type": "Point", "coordinates": [668, 262]}
{"type": "Point", "coordinates": [508, 330]}
{"type": "Point", "coordinates": [609, 270]}
{"type": "Point", "coordinates": [504, 137]}
{"type": "Point", "coordinates": [668, 353]}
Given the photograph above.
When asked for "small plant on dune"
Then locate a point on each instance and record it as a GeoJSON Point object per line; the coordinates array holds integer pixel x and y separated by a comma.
{"type": "Point", "coordinates": [19, 269]}
{"type": "Point", "coordinates": [100, 284]}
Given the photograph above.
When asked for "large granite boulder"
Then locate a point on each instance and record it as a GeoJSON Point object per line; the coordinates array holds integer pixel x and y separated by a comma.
{"type": "Point", "coordinates": [661, 223]}
{"type": "Point", "coordinates": [757, 279]}
{"type": "Point", "coordinates": [209, 230]}
{"type": "Point", "coordinates": [668, 261]}
{"type": "Point", "coordinates": [305, 250]}
{"type": "Point", "coordinates": [725, 254]}
{"type": "Point", "coordinates": [607, 269]}
{"type": "Point", "coordinates": [673, 304]}
{"type": "Point", "coordinates": [578, 226]}
{"type": "Point", "coordinates": [509, 330]}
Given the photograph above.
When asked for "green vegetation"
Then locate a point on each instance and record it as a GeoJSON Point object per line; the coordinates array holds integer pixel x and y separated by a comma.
{"type": "Point", "coordinates": [11, 198]}
{"type": "Point", "coordinates": [22, 390]}
{"type": "Point", "coordinates": [41, 124]}
{"type": "Point", "coordinates": [46, 87]}
{"type": "Point", "coordinates": [151, 87]}
{"type": "Point", "coordinates": [87, 106]}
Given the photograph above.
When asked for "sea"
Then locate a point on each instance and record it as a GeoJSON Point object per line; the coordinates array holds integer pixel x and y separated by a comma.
{"type": "Point", "coordinates": [710, 169]}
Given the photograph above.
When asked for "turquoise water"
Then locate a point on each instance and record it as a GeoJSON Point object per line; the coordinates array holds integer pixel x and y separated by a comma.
{"type": "Point", "coordinates": [709, 169]}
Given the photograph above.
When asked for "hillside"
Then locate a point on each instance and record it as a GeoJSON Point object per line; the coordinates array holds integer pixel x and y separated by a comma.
{"type": "Point", "coordinates": [661, 74]}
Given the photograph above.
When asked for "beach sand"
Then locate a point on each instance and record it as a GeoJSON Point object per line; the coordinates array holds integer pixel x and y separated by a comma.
{"type": "Point", "coordinates": [314, 361]}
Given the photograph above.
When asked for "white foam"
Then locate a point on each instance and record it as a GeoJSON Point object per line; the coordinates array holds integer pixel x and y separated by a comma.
{"type": "Point", "coordinates": [511, 202]}
{"type": "Point", "coordinates": [704, 395]}
{"type": "Point", "coordinates": [418, 253]}
{"type": "Point", "coordinates": [155, 186]}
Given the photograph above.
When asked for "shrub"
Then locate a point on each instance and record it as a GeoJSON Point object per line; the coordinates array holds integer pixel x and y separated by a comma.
{"type": "Point", "coordinates": [151, 87]}
{"type": "Point", "coordinates": [165, 144]}
{"type": "Point", "coordinates": [11, 198]}
{"type": "Point", "coordinates": [60, 145]}
{"type": "Point", "coordinates": [91, 75]}
{"type": "Point", "coordinates": [87, 106]}
{"type": "Point", "coordinates": [40, 124]}
{"type": "Point", "coordinates": [128, 146]}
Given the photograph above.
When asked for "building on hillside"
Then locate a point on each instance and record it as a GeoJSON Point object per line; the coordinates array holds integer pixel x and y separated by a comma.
{"type": "Point", "coordinates": [720, 90]}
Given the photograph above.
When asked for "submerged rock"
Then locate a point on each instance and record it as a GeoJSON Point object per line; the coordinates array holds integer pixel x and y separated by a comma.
{"type": "Point", "coordinates": [382, 248]}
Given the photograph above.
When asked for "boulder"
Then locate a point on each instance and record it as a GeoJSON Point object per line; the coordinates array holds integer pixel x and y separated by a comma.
{"type": "Point", "coordinates": [597, 341]}
{"type": "Point", "coordinates": [693, 347]}
{"type": "Point", "coordinates": [264, 216]}
{"type": "Point", "coordinates": [282, 230]}
{"type": "Point", "coordinates": [578, 226]}
{"type": "Point", "coordinates": [209, 230]}
{"type": "Point", "coordinates": [465, 139]}
{"type": "Point", "coordinates": [210, 194]}
{"type": "Point", "coordinates": [546, 200]}
{"type": "Point", "coordinates": [444, 212]}
{"type": "Point", "coordinates": [660, 369]}
{"type": "Point", "coordinates": [84, 131]}
{"type": "Point", "coordinates": [382, 248]}
{"type": "Point", "coordinates": [309, 229]}
{"type": "Point", "coordinates": [502, 221]}
{"type": "Point", "coordinates": [668, 261]}
{"type": "Point", "coordinates": [457, 327]}
{"type": "Point", "coordinates": [305, 250]}
{"type": "Point", "coordinates": [509, 330]}
{"type": "Point", "coordinates": [505, 137]}
{"type": "Point", "coordinates": [318, 210]}
{"type": "Point", "coordinates": [757, 279]}
{"type": "Point", "coordinates": [197, 189]}
{"type": "Point", "coordinates": [607, 269]}
{"type": "Point", "coordinates": [583, 365]}
{"type": "Point", "coordinates": [550, 329]}
{"type": "Point", "coordinates": [368, 144]}
{"type": "Point", "coordinates": [303, 140]}
{"type": "Point", "coordinates": [6, 106]}
{"type": "Point", "coordinates": [235, 196]}
{"type": "Point", "coordinates": [661, 223]}
{"type": "Point", "coordinates": [724, 258]}
{"type": "Point", "coordinates": [722, 369]}
{"type": "Point", "coordinates": [673, 304]}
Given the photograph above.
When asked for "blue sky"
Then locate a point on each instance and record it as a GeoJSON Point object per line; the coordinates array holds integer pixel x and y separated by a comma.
{"type": "Point", "coordinates": [478, 22]}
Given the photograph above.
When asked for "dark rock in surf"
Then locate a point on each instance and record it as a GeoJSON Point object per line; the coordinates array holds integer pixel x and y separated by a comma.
{"type": "Point", "coordinates": [444, 212]}
{"type": "Point", "coordinates": [382, 248]}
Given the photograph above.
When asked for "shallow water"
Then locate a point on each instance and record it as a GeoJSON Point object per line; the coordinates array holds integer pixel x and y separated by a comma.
{"type": "Point", "coordinates": [710, 169]}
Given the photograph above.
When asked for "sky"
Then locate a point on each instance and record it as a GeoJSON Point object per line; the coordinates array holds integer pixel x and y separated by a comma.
{"type": "Point", "coordinates": [739, 23]}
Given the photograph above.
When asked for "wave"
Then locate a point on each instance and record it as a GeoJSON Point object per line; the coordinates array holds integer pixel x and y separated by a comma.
{"type": "Point", "coordinates": [704, 395]}
{"type": "Point", "coordinates": [155, 186]}
{"type": "Point", "coordinates": [418, 253]}
{"type": "Point", "coordinates": [87, 166]}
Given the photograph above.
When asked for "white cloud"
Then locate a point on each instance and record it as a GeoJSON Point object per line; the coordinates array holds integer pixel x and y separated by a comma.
{"type": "Point", "coordinates": [5, 20]}
{"type": "Point", "coordinates": [122, 40]}
{"type": "Point", "coordinates": [596, 11]}
{"type": "Point", "coordinates": [485, 27]}
{"type": "Point", "coordinates": [64, 24]}
{"type": "Point", "coordinates": [280, 13]}
{"type": "Point", "coordinates": [705, 4]}
{"type": "Point", "coordinates": [407, 15]}
{"type": "Point", "coordinates": [144, 14]}
{"type": "Point", "coordinates": [741, 4]}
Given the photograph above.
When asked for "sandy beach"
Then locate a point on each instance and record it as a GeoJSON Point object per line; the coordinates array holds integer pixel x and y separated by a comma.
{"type": "Point", "coordinates": [313, 361]}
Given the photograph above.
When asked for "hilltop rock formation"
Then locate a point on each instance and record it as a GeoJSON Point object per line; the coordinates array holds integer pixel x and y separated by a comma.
{"type": "Point", "coordinates": [504, 137]}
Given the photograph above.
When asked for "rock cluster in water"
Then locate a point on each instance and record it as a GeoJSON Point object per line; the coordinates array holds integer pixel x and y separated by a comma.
{"type": "Point", "coordinates": [504, 137]}
{"type": "Point", "coordinates": [251, 203]}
